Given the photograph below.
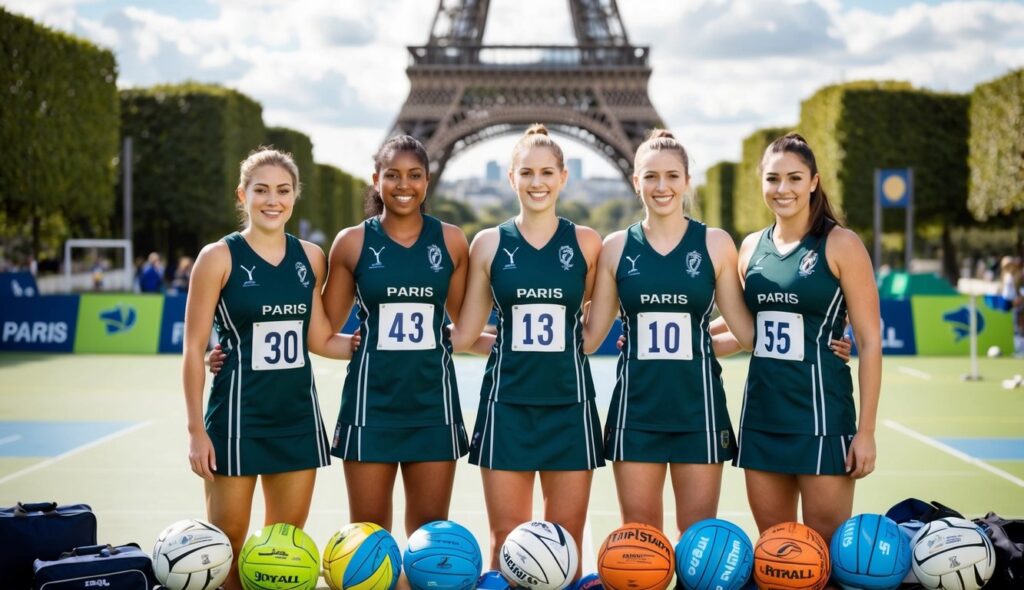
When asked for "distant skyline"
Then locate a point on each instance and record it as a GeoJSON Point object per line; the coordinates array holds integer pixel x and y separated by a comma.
{"type": "Point", "coordinates": [722, 68]}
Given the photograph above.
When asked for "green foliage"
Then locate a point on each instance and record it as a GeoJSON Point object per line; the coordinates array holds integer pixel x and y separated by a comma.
{"type": "Point", "coordinates": [717, 195]}
{"type": "Point", "coordinates": [188, 142]}
{"type": "Point", "coordinates": [451, 211]}
{"type": "Point", "coordinates": [615, 214]}
{"type": "Point", "coordinates": [341, 199]}
{"type": "Point", "coordinates": [857, 127]}
{"type": "Point", "coordinates": [309, 206]}
{"type": "Point", "coordinates": [59, 128]}
{"type": "Point", "coordinates": [749, 211]}
{"type": "Point", "coordinates": [574, 211]}
{"type": "Point", "coordinates": [996, 143]}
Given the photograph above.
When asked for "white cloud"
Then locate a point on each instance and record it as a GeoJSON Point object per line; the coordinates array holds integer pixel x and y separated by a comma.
{"type": "Point", "coordinates": [721, 68]}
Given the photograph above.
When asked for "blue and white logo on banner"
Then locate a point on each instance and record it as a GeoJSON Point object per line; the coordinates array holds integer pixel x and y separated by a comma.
{"type": "Point", "coordinates": [894, 187]}
{"type": "Point", "coordinates": [172, 326]}
{"type": "Point", "coordinates": [17, 284]}
{"type": "Point", "coordinates": [897, 328]}
{"type": "Point", "coordinates": [41, 324]}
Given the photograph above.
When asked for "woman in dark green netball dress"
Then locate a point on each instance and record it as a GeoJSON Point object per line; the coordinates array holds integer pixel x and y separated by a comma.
{"type": "Point", "coordinates": [400, 405]}
{"type": "Point", "coordinates": [665, 275]}
{"type": "Point", "coordinates": [536, 412]}
{"type": "Point", "coordinates": [260, 289]}
{"type": "Point", "coordinates": [800, 437]}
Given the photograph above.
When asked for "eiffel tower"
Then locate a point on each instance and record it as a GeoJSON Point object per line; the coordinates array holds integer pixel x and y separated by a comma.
{"type": "Point", "coordinates": [463, 92]}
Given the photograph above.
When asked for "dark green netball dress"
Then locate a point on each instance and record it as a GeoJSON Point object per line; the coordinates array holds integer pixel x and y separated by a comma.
{"type": "Point", "coordinates": [263, 415]}
{"type": "Point", "coordinates": [400, 401]}
{"type": "Point", "coordinates": [668, 405]}
{"type": "Point", "coordinates": [536, 408]}
{"type": "Point", "coordinates": [798, 411]}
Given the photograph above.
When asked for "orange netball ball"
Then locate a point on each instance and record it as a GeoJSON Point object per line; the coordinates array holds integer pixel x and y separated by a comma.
{"type": "Point", "coordinates": [636, 557]}
{"type": "Point", "coordinates": [791, 556]}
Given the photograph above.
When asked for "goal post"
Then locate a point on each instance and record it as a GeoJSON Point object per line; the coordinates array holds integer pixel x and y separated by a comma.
{"type": "Point", "coordinates": [128, 270]}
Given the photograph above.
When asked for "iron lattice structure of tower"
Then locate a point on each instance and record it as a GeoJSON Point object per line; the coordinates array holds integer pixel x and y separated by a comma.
{"type": "Point", "coordinates": [463, 92]}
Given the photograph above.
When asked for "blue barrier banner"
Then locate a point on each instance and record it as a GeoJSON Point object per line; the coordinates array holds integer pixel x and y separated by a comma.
{"type": "Point", "coordinates": [897, 328]}
{"type": "Point", "coordinates": [39, 324]}
{"type": "Point", "coordinates": [17, 284]}
{"type": "Point", "coordinates": [172, 326]}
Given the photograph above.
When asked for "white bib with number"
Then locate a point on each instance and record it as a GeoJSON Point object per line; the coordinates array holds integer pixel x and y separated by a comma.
{"type": "Point", "coordinates": [406, 326]}
{"type": "Point", "coordinates": [662, 335]}
{"type": "Point", "coordinates": [278, 345]}
{"type": "Point", "coordinates": [538, 327]}
{"type": "Point", "coordinates": [780, 335]}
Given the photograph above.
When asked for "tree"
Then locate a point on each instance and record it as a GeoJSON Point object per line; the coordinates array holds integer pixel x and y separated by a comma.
{"type": "Point", "coordinates": [996, 152]}
{"type": "Point", "coordinates": [60, 133]}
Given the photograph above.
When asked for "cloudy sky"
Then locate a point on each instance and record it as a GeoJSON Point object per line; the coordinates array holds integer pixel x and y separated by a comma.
{"type": "Point", "coordinates": [335, 69]}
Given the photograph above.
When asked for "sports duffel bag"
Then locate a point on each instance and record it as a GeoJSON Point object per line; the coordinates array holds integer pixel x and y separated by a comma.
{"type": "Point", "coordinates": [1007, 537]}
{"type": "Point", "coordinates": [97, 566]}
{"type": "Point", "coordinates": [40, 531]}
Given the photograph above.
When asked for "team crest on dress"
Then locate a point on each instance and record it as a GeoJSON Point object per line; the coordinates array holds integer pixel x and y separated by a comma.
{"type": "Point", "coordinates": [300, 269]}
{"type": "Point", "coordinates": [693, 263]}
{"type": "Point", "coordinates": [807, 263]}
{"type": "Point", "coordinates": [376, 254]}
{"type": "Point", "coordinates": [434, 257]}
{"type": "Point", "coordinates": [565, 255]}
{"type": "Point", "coordinates": [725, 439]}
{"type": "Point", "coordinates": [632, 266]}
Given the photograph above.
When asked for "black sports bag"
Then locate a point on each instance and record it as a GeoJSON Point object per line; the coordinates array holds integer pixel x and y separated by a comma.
{"type": "Point", "coordinates": [40, 531]}
{"type": "Point", "coordinates": [1008, 538]}
{"type": "Point", "coordinates": [97, 566]}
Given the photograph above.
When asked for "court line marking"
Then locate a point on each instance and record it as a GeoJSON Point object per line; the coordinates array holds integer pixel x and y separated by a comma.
{"type": "Point", "coordinates": [9, 439]}
{"type": "Point", "coordinates": [954, 452]}
{"type": "Point", "coordinates": [103, 439]}
{"type": "Point", "coordinates": [913, 372]}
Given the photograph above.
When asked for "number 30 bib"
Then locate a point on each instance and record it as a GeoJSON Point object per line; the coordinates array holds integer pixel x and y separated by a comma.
{"type": "Point", "coordinates": [277, 345]}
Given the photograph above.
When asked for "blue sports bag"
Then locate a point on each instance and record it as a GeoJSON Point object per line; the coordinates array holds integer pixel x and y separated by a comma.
{"type": "Point", "coordinates": [97, 566]}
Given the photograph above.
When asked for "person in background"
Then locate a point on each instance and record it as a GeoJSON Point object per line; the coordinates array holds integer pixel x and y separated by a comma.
{"type": "Point", "coordinates": [151, 279]}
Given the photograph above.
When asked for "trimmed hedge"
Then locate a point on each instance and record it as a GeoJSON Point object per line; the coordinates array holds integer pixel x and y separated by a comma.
{"type": "Point", "coordinates": [857, 127]}
{"type": "Point", "coordinates": [749, 211]}
{"type": "Point", "coordinates": [996, 147]}
{"type": "Point", "coordinates": [189, 140]}
{"type": "Point", "coordinates": [309, 206]}
{"type": "Point", "coordinates": [59, 128]}
{"type": "Point", "coordinates": [341, 199]}
{"type": "Point", "coordinates": [718, 194]}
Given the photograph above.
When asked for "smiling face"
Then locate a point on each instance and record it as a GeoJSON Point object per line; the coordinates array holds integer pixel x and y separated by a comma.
{"type": "Point", "coordinates": [402, 183]}
{"type": "Point", "coordinates": [537, 178]}
{"type": "Point", "coordinates": [787, 184]}
{"type": "Point", "coordinates": [269, 198]}
{"type": "Point", "coordinates": [662, 182]}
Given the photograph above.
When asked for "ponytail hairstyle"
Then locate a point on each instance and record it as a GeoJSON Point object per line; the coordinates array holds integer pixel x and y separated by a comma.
{"type": "Point", "coordinates": [823, 217]}
{"type": "Point", "coordinates": [537, 135]}
{"type": "Point", "coordinates": [257, 158]}
{"type": "Point", "coordinates": [373, 204]}
{"type": "Point", "coordinates": [658, 139]}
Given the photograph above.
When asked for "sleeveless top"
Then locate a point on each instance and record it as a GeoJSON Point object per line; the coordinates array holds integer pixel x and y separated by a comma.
{"type": "Point", "coordinates": [265, 388]}
{"type": "Point", "coordinates": [668, 376]}
{"type": "Point", "coordinates": [402, 375]}
{"type": "Point", "coordinates": [795, 385]}
{"type": "Point", "coordinates": [538, 357]}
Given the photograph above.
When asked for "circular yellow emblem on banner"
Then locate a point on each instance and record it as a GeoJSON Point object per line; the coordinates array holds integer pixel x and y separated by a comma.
{"type": "Point", "coordinates": [894, 188]}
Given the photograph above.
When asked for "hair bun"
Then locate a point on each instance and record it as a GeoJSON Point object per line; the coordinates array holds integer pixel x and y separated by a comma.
{"type": "Point", "coordinates": [537, 129]}
{"type": "Point", "coordinates": [657, 133]}
{"type": "Point", "coordinates": [795, 136]}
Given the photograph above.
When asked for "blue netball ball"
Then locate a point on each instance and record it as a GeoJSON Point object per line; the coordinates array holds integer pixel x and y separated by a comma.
{"type": "Point", "coordinates": [442, 555]}
{"type": "Point", "coordinates": [714, 554]}
{"type": "Point", "coordinates": [870, 552]}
